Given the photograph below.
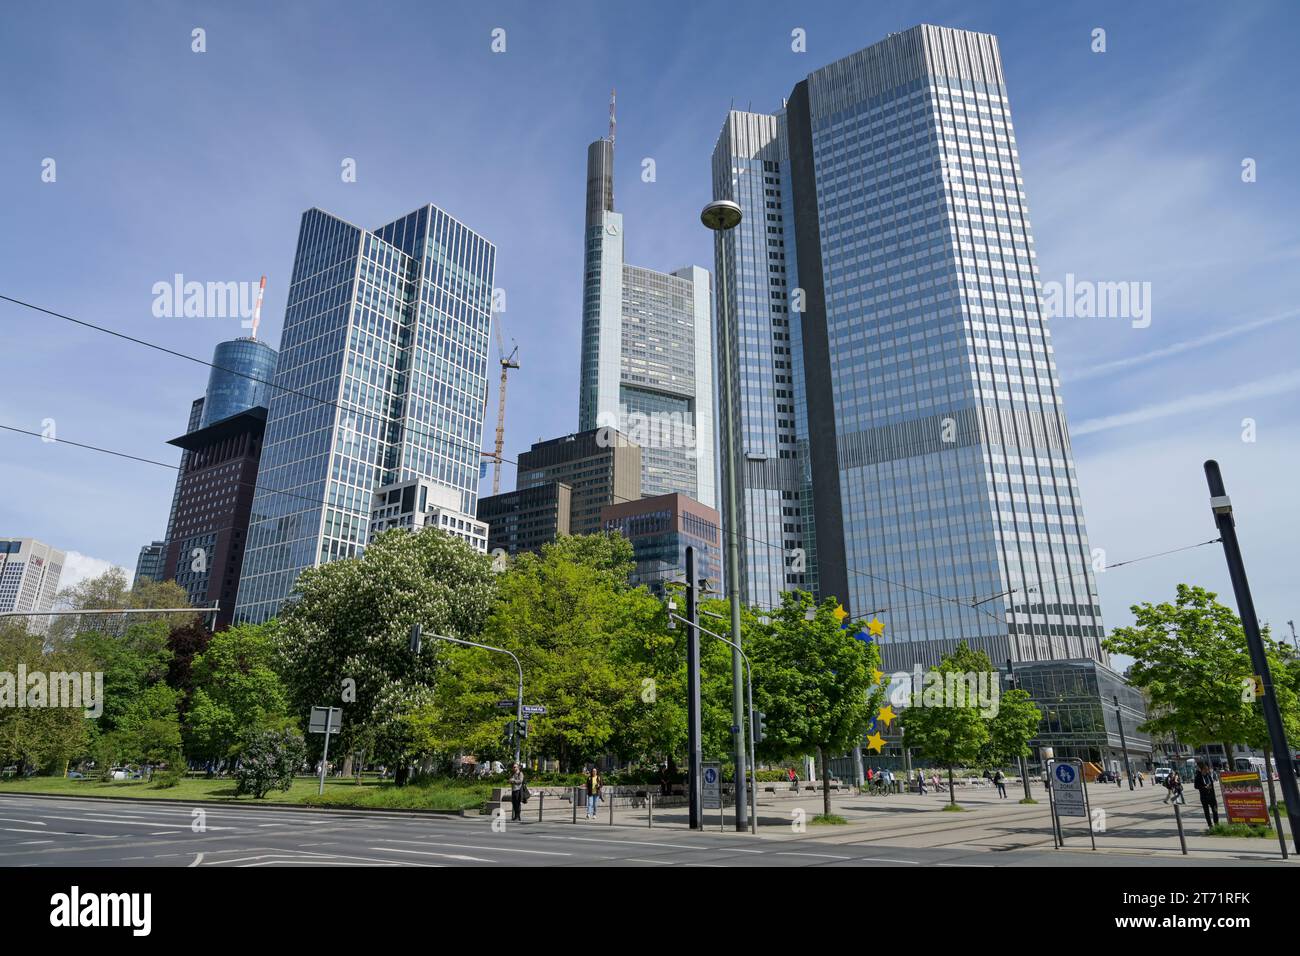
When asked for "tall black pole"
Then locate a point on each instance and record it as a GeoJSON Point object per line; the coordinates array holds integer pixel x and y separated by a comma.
{"type": "Point", "coordinates": [693, 725]}
{"type": "Point", "coordinates": [1222, 508]}
{"type": "Point", "coordinates": [1123, 742]}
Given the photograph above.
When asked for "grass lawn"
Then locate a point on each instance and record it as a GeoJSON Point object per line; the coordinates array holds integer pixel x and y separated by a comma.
{"type": "Point", "coordinates": [824, 819]}
{"type": "Point", "coordinates": [440, 795]}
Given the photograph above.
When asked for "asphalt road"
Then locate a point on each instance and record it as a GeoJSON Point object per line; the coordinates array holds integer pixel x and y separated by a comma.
{"type": "Point", "coordinates": [40, 831]}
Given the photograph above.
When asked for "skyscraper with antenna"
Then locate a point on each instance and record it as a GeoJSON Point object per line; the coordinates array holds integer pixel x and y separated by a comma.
{"type": "Point", "coordinates": [647, 347]}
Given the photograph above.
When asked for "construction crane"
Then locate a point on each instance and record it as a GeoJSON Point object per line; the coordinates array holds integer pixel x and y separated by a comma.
{"type": "Point", "coordinates": [507, 363]}
{"type": "Point", "coordinates": [257, 308]}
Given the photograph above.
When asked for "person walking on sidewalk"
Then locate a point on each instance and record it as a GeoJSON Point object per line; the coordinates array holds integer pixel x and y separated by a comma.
{"type": "Point", "coordinates": [999, 782]}
{"type": "Point", "coordinates": [516, 791]}
{"type": "Point", "coordinates": [594, 784]}
{"type": "Point", "coordinates": [1204, 784]}
{"type": "Point", "coordinates": [920, 783]}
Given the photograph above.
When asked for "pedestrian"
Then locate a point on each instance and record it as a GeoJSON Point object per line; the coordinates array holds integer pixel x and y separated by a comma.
{"type": "Point", "coordinates": [594, 784]}
{"type": "Point", "coordinates": [1176, 787]}
{"type": "Point", "coordinates": [1140, 779]}
{"type": "Point", "coordinates": [516, 791]}
{"type": "Point", "coordinates": [920, 781]}
{"type": "Point", "coordinates": [998, 782]}
{"type": "Point", "coordinates": [1204, 784]}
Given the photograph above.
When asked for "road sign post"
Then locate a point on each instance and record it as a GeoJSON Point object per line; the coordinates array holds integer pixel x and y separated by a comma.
{"type": "Point", "coordinates": [1069, 794]}
{"type": "Point", "coordinates": [325, 720]}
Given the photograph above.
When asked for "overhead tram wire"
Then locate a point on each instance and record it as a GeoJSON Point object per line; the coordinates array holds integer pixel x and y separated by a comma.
{"type": "Point", "coordinates": [974, 605]}
{"type": "Point", "coordinates": [1118, 564]}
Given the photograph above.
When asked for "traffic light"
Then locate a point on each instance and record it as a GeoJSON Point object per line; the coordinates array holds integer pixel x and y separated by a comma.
{"type": "Point", "coordinates": [510, 731]}
{"type": "Point", "coordinates": [523, 727]}
{"type": "Point", "coordinates": [414, 640]}
{"type": "Point", "coordinates": [760, 726]}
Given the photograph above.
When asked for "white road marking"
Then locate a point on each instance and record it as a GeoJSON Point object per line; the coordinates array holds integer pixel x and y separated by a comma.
{"type": "Point", "coordinates": [670, 846]}
{"type": "Point", "coordinates": [466, 846]}
{"type": "Point", "coordinates": [824, 856]}
{"type": "Point", "coordinates": [449, 856]}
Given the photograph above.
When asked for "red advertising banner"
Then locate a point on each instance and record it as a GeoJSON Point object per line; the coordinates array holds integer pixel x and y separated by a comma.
{"type": "Point", "coordinates": [1243, 797]}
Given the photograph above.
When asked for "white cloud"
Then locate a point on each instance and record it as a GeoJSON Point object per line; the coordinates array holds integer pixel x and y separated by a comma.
{"type": "Point", "coordinates": [1275, 385]}
{"type": "Point", "coordinates": [78, 567]}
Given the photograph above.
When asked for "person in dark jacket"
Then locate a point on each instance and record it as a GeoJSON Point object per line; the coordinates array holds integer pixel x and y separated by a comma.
{"type": "Point", "coordinates": [999, 781]}
{"type": "Point", "coordinates": [1204, 784]}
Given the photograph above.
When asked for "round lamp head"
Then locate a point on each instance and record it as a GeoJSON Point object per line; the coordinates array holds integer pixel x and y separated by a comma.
{"type": "Point", "coordinates": [720, 215]}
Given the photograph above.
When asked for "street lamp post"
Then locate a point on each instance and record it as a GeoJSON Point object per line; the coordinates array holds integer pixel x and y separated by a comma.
{"type": "Point", "coordinates": [1123, 741]}
{"type": "Point", "coordinates": [720, 216]}
{"type": "Point", "coordinates": [417, 632]}
{"type": "Point", "coordinates": [1024, 771]}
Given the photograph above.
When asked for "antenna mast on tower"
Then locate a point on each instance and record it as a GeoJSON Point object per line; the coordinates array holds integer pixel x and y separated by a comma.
{"type": "Point", "coordinates": [257, 307]}
{"type": "Point", "coordinates": [612, 122]}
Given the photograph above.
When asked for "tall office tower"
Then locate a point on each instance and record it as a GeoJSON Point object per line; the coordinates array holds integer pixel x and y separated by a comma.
{"type": "Point", "coordinates": [778, 543]}
{"type": "Point", "coordinates": [385, 348]}
{"type": "Point", "coordinates": [214, 498]}
{"type": "Point", "coordinates": [29, 578]}
{"type": "Point", "coordinates": [943, 489]}
{"type": "Point", "coordinates": [647, 352]}
{"type": "Point", "coordinates": [149, 563]}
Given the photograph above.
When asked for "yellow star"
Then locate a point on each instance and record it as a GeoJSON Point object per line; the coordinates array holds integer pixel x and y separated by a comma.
{"type": "Point", "coordinates": [840, 613]}
{"type": "Point", "coordinates": [875, 627]}
{"type": "Point", "coordinates": [875, 742]}
{"type": "Point", "coordinates": [886, 715]}
{"type": "Point", "coordinates": [878, 676]}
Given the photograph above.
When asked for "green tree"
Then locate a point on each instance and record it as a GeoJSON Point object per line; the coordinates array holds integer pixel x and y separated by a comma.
{"type": "Point", "coordinates": [268, 760]}
{"type": "Point", "coordinates": [1191, 659]}
{"type": "Point", "coordinates": [946, 727]}
{"type": "Point", "coordinates": [345, 639]}
{"type": "Point", "coordinates": [236, 691]}
{"type": "Point", "coordinates": [1010, 730]}
{"type": "Point", "coordinates": [585, 640]}
{"type": "Point", "coordinates": [113, 589]}
{"type": "Point", "coordinates": [37, 736]}
{"type": "Point", "coordinates": [814, 681]}
{"type": "Point", "coordinates": [149, 731]}
{"type": "Point", "coordinates": [131, 663]}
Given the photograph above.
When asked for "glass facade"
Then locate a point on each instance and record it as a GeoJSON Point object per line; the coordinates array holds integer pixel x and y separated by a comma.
{"type": "Point", "coordinates": [940, 465]}
{"type": "Point", "coordinates": [756, 260]}
{"type": "Point", "coordinates": [388, 331]}
{"type": "Point", "coordinates": [241, 380]}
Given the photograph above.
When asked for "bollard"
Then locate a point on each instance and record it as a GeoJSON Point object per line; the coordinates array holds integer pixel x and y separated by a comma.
{"type": "Point", "coordinates": [575, 804]}
{"type": "Point", "coordinates": [650, 804]}
{"type": "Point", "coordinates": [541, 802]}
{"type": "Point", "coordinates": [1178, 818]}
{"type": "Point", "coordinates": [611, 809]}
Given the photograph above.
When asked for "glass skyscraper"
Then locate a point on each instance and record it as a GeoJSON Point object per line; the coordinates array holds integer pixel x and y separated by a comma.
{"type": "Point", "coordinates": [647, 350]}
{"type": "Point", "coordinates": [244, 369]}
{"type": "Point", "coordinates": [387, 330]}
{"type": "Point", "coordinates": [940, 478]}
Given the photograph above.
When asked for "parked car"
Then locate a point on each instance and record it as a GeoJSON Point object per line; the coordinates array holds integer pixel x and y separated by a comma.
{"type": "Point", "coordinates": [1107, 776]}
{"type": "Point", "coordinates": [1161, 775]}
{"type": "Point", "coordinates": [76, 775]}
{"type": "Point", "coordinates": [126, 773]}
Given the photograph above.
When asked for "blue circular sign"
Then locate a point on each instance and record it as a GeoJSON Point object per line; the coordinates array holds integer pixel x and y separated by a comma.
{"type": "Point", "coordinates": [1064, 773]}
{"type": "Point", "coordinates": [710, 775]}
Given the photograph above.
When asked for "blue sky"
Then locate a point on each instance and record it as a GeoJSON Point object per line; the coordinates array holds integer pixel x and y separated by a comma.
{"type": "Point", "coordinates": [170, 161]}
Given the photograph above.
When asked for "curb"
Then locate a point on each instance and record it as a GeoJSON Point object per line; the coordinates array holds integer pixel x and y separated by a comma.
{"type": "Point", "coordinates": [261, 805]}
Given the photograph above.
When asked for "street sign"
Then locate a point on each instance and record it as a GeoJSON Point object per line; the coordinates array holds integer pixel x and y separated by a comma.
{"type": "Point", "coordinates": [506, 704]}
{"type": "Point", "coordinates": [534, 708]}
{"type": "Point", "coordinates": [1243, 797]}
{"type": "Point", "coordinates": [316, 725]}
{"type": "Point", "coordinates": [711, 790]}
{"type": "Point", "coordinates": [1067, 788]}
